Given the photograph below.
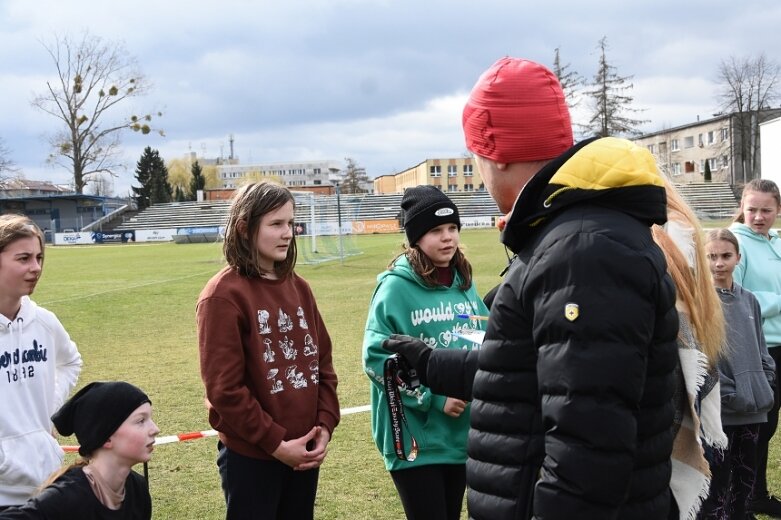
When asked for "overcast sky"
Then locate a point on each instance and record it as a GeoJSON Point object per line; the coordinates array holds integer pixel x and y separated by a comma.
{"type": "Point", "coordinates": [380, 81]}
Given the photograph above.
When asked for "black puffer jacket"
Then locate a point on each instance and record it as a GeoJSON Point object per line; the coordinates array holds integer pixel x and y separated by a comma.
{"type": "Point", "coordinates": [572, 411]}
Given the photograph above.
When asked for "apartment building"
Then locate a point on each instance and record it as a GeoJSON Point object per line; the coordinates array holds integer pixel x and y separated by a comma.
{"type": "Point", "coordinates": [452, 175]}
{"type": "Point", "coordinates": [682, 152]}
{"type": "Point", "coordinates": [291, 174]}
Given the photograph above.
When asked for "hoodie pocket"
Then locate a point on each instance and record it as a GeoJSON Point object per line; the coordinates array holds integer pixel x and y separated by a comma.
{"type": "Point", "coordinates": [29, 459]}
{"type": "Point", "coordinates": [752, 393]}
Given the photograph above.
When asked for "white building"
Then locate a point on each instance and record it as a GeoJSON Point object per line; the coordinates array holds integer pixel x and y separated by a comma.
{"type": "Point", "coordinates": [292, 174]}
{"type": "Point", "coordinates": [770, 135]}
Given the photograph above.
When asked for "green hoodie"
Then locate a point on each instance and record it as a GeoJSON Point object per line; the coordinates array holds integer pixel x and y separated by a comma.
{"type": "Point", "coordinates": [402, 304]}
{"type": "Point", "coordinates": [759, 271]}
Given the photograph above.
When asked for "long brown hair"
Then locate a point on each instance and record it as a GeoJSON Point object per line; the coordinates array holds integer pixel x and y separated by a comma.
{"type": "Point", "coordinates": [758, 186]}
{"type": "Point", "coordinates": [693, 286]}
{"type": "Point", "coordinates": [250, 203]}
{"type": "Point", "coordinates": [13, 227]}
{"type": "Point", "coordinates": [425, 268]}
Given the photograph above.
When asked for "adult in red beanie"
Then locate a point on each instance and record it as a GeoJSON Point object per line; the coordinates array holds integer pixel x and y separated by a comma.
{"type": "Point", "coordinates": [572, 413]}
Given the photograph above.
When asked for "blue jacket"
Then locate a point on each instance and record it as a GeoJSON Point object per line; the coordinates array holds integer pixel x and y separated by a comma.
{"type": "Point", "coordinates": [759, 271]}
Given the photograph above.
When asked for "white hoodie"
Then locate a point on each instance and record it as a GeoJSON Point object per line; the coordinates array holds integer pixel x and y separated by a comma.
{"type": "Point", "coordinates": [39, 366]}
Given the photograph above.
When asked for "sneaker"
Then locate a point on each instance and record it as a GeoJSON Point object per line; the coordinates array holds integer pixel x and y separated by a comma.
{"type": "Point", "coordinates": [767, 505]}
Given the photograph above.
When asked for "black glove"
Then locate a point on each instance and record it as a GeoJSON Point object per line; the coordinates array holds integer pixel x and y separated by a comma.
{"type": "Point", "coordinates": [414, 351]}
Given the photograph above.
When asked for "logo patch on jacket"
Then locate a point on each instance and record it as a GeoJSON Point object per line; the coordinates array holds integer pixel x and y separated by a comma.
{"type": "Point", "coordinates": [571, 311]}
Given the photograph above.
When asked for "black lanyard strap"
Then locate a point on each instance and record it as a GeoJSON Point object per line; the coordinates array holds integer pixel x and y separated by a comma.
{"type": "Point", "coordinates": [396, 409]}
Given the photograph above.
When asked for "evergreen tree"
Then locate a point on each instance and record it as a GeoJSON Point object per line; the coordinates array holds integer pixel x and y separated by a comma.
{"type": "Point", "coordinates": [706, 175]}
{"type": "Point", "coordinates": [354, 176]}
{"type": "Point", "coordinates": [179, 195]}
{"type": "Point", "coordinates": [569, 79]}
{"type": "Point", "coordinates": [152, 175]}
{"type": "Point", "coordinates": [143, 175]}
{"type": "Point", "coordinates": [611, 100]}
{"type": "Point", "coordinates": [197, 182]}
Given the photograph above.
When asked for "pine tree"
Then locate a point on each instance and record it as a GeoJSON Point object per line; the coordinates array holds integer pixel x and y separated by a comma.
{"type": "Point", "coordinates": [610, 100]}
{"type": "Point", "coordinates": [152, 175]}
{"type": "Point", "coordinates": [569, 79]}
{"type": "Point", "coordinates": [197, 182]}
{"type": "Point", "coordinates": [143, 176]}
{"type": "Point", "coordinates": [706, 175]}
{"type": "Point", "coordinates": [179, 195]}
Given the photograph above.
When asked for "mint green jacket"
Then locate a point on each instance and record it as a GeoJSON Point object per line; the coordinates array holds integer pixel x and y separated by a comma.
{"type": "Point", "coordinates": [759, 271]}
{"type": "Point", "coordinates": [401, 304]}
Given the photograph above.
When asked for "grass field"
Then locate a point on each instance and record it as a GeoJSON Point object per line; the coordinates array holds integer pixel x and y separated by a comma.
{"type": "Point", "coordinates": [130, 309]}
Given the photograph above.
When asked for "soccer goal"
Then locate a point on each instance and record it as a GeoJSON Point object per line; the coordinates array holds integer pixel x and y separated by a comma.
{"type": "Point", "coordinates": [319, 236]}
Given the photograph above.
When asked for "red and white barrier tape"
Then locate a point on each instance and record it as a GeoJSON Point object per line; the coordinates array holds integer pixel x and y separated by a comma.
{"type": "Point", "coordinates": [168, 439]}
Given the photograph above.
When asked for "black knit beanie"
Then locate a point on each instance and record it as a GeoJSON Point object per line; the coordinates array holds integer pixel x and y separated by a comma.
{"type": "Point", "coordinates": [96, 411]}
{"type": "Point", "coordinates": [424, 208]}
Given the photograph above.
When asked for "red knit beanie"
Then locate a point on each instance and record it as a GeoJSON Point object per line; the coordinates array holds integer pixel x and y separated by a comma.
{"type": "Point", "coordinates": [516, 112]}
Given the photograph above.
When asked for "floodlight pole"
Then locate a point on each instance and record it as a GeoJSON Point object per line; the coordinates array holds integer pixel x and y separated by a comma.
{"type": "Point", "coordinates": [339, 220]}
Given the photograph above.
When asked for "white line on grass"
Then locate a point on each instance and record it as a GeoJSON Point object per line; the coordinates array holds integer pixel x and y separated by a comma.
{"type": "Point", "coordinates": [125, 288]}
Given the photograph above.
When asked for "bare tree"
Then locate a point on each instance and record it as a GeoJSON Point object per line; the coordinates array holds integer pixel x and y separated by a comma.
{"type": "Point", "coordinates": [354, 175]}
{"type": "Point", "coordinates": [101, 186]}
{"type": "Point", "coordinates": [747, 86]}
{"type": "Point", "coordinates": [6, 164]}
{"type": "Point", "coordinates": [611, 100]}
{"type": "Point", "coordinates": [93, 79]}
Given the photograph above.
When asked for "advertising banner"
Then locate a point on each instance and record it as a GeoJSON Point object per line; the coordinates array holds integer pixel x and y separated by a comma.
{"type": "Point", "coordinates": [376, 226]}
{"type": "Point", "coordinates": [155, 235]}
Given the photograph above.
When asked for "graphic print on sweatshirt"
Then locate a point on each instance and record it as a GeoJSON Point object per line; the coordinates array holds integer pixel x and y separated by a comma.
{"type": "Point", "coordinates": [288, 368]}
{"type": "Point", "coordinates": [19, 363]}
{"type": "Point", "coordinates": [445, 312]}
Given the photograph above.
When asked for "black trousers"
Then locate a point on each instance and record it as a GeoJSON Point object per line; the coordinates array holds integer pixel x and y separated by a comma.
{"type": "Point", "coordinates": [766, 431]}
{"type": "Point", "coordinates": [258, 489]}
{"type": "Point", "coordinates": [733, 472]}
{"type": "Point", "coordinates": [432, 492]}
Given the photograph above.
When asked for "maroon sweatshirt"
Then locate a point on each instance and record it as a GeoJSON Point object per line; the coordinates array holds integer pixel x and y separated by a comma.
{"type": "Point", "coordinates": [265, 361]}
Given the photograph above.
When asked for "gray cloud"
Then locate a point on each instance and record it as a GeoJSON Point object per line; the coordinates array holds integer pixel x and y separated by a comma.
{"type": "Point", "coordinates": [380, 81]}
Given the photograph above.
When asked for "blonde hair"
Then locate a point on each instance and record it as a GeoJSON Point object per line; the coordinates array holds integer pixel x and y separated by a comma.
{"type": "Point", "coordinates": [693, 284]}
{"type": "Point", "coordinates": [250, 203]}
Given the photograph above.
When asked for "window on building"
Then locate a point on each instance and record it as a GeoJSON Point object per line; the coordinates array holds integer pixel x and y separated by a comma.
{"type": "Point", "coordinates": [688, 167]}
{"type": "Point", "coordinates": [435, 171]}
{"type": "Point", "coordinates": [724, 161]}
{"type": "Point", "coordinates": [651, 148]}
{"type": "Point", "coordinates": [713, 163]}
{"type": "Point", "coordinates": [317, 171]}
{"type": "Point", "coordinates": [700, 142]}
{"type": "Point", "coordinates": [469, 187]}
{"type": "Point", "coordinates": [452, 170]}
{"type": "Point", "coordinates": [688, 141]}
{"type": "Point", "coordinates": [676, 167]}
{"type": "Point", "coordinates": [674, 145]}
{"type": "Point", "coordinates": [702, 165]}
{"type": "Point", "coordinates": [724, 134]}
{"type": "Point", "coordinates": [482, 187]}
{"type": "Point", "coordinates": [663, 148]}
{"type": "Point", "coordinates": [467, 170]}
{"type": "Point", "coordinates": [711, 137]}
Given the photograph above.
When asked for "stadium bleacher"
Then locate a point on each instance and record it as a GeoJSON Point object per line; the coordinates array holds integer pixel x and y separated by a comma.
{"type": "Point", "coordinates": [709, 201]}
